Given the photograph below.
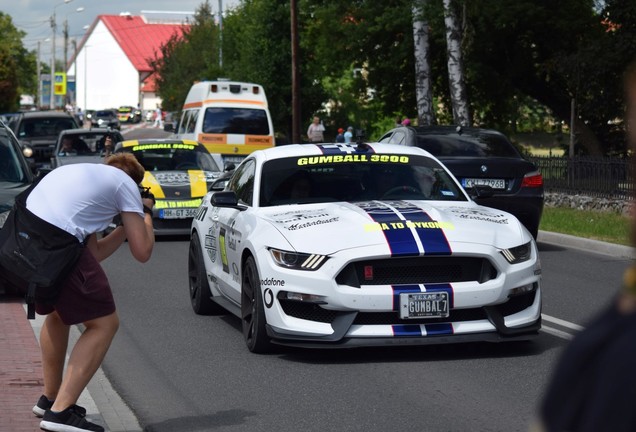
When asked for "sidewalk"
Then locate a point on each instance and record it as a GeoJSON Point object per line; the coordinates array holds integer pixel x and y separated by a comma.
{"type": "Point", "coordinates": [21, 377]}
{"type": "Point", "coordinates": [21, 366]}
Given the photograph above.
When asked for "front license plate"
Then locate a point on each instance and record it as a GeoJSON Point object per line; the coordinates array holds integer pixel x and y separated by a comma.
{"type": "Point", "coordinates": [424, 305]}
{"type": "Point", "coordinates": [493, 183]}
{"type": "Point", "coordinates": [177, 213]}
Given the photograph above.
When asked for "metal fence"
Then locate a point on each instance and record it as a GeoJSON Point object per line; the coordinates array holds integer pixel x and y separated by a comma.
{"type": "Point", "coordinates": [594, 176]}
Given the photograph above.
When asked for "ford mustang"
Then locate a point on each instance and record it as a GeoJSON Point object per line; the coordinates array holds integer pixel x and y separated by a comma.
{"type": "Point", "coordinates": [346, 245]}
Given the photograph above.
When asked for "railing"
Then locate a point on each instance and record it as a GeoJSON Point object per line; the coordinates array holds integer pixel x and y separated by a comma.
{"type": "Point", "coordinates": [599, 177]}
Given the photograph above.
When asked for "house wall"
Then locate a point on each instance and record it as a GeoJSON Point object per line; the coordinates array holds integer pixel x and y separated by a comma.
{"type": "Point", "coordinates": [105, 76]}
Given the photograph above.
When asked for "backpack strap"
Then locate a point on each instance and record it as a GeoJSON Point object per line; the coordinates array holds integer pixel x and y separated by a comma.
{"type": "Point", "coordinates": [30, 300]}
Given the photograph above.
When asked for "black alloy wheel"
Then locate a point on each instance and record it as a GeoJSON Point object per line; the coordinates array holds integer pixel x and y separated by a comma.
{"type": "Point", "coordinates": [252, 310]}
{"type": "Point", "coordinates": [200, 294]}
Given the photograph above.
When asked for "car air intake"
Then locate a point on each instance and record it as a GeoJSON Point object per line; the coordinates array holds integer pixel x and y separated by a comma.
{"type": "Point", "coordinates": [417, 270]}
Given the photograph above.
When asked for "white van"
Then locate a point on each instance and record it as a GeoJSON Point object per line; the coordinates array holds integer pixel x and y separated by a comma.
{"type": "Point", "coordinates": [227, 117]}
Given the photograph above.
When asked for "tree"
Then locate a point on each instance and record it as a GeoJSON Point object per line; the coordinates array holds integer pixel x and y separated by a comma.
{"type": "Point", "coordinates": [17, 66]}
{"type": "Point", "coordinates": [187, 58]}
{"type": "Point", "coordinates": [423, 82]}
{"type": "Point", "coordinates": [458, 95]}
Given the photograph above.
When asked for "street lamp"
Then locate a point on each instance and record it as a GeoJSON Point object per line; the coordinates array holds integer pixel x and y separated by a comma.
{"type": "Point", "coordinates": [53, 26]}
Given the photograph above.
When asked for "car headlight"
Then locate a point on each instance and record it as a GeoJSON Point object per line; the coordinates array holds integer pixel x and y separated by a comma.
{"type": "Point", "coordinates": [517, 254]}
{"type": "Point", "coordinates": [27, 151]}
{"type": "Point", "coordinates": [297, 260]}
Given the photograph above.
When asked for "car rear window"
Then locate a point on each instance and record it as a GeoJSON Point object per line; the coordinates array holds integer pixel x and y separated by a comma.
{"type": "Point", "coordinates": [44, 127]}
{"type": "Point", "coordinates": [236, 121]}
{"type": "Point", "coordinates": [480, 145]}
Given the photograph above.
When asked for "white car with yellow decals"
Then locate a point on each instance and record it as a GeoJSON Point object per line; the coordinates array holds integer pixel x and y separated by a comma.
{"type": "Point", "coordinates": [340, 245]}
{"type": "Point", "coordinates": [178, 173]}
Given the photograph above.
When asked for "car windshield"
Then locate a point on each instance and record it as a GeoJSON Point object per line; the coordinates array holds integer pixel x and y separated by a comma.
{"type": "Point", "coordinates": [41, 127]}
{"type": "Point", "coordinates": [236, 121]}
{"type": "Point", "coordinates": [84, 144]}
{"type": "Point", "coordinates": [173, 156]}
{"type": "Point", "coordinates": [104, 114]}
{"type": "Point", "coordinates": [479, 145]}
{"type": "Point", "coordinates": [11, 170]}
{"type": "Point", "coordinates": [355, 177]}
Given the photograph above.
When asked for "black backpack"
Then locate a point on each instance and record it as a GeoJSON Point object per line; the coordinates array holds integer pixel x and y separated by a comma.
{"type": "Point", "coordinates": [35, 256]}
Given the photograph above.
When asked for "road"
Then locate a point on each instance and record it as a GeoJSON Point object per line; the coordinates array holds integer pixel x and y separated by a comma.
{"type": "Point", "coordinates": [183, 372]}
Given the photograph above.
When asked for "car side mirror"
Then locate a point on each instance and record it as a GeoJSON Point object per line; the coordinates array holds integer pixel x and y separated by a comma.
{"type": "Point", "coordinates": [229, 166]}
{"type": "Point", "coordinates": [226, 199]}
{"type": "Point", "coordinates": [168, 127]}
{"type": "Point", "coordinates": [481, 191]}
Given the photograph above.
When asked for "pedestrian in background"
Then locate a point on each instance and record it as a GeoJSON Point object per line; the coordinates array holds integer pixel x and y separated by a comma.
{"type": "Point", "coordinates": [158, 118]}
{"type": "Point", "coordinates": [594, 384]}
{"type": "Point", "coordinates": [316, 131]}
{"type": "Point", "coordinates": [340, 137]}
{"type": "Point", "coordinates": [99, 192]}
{"type": "Point", "coordinates": [406, 122]}
{"type": "Point", "coordinates": [348, 135]}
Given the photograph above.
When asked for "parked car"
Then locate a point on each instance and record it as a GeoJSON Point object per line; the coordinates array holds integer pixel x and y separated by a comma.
{"type": "Point", "coordinates": [82, 145]}
{"type": "Point", "coordinates": [178, 173]}
{"type": "Point", "coordinates": [129, 114]}
{"type": "Point", "coordinates": [15, 173]}
{"type": "Point", "coordinates": [482, 157]}
{"type": "Point", "coordinates": [106, 119]}
{"type": "Point", "coordinates": [355, 245]}
{"type": "Point", "coordinates": [39, 130]}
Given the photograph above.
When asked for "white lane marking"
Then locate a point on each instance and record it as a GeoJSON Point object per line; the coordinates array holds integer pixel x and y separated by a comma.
{"type": "Point", "coordinates": [561, 322]}
{"type": "Point", "coordinates": [557, 333]}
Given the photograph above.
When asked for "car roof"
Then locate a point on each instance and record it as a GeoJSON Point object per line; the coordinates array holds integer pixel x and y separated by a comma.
{"type": "Point", "coordinates": [293, 150]}
{"type": "Point", "coordinates": [452, 129]}
{"type": "Point", "coordinates": [45, 114]}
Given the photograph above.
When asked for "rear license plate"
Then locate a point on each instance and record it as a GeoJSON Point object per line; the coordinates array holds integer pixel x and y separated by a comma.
{"type": "Point", "coordinates": [424, 305]}
{"type": "Point", "coordinates": [493, 183]}
{"type": "Point", "coordinates": [177, 213]}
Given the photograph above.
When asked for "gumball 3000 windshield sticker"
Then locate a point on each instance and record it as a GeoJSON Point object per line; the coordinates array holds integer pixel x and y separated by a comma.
{"type": "Point", "coordinates": [480, 215]}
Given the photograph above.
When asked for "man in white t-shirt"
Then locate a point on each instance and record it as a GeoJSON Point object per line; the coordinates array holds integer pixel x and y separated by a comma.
{"type": "Point", "coordinates": [82, 199]}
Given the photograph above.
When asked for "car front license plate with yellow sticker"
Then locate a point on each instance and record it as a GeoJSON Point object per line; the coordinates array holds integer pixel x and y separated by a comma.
{"type": "Point", "coordinates": [424, 305]}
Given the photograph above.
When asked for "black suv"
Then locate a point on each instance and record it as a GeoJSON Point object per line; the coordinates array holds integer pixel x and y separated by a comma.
{"type": "Point", "coordinates": [484, 158]}
{"type": "Point", "coordinates": [15, 174]}
{"type": "Point", "coordinates": [39, 131]}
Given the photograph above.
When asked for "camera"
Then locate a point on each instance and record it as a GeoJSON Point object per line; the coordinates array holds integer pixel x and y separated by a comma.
{"type": "Point", "coordinates": [145, 193]}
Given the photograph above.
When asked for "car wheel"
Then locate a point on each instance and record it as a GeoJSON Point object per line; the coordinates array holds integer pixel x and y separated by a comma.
{"type": "Point", "coordinates": [252, 311]}
{"type": "Point", "coordinates": [200, 295]}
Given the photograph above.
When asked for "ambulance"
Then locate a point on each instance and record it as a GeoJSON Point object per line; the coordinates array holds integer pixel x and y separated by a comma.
{"type": "Point", "coordinates": [229, 118]}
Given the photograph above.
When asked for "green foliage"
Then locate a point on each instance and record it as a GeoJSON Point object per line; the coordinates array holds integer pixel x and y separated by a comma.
{"type": "Point", "coordinates": [17, 66]}
{"type": "Point", "coordinates": [604, 226]}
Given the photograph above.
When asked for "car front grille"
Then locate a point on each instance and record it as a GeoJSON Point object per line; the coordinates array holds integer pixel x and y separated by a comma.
{"type": "Point", "coordinates": [418, 270]}
{"type": "Point", "coordinates": [313, 312]}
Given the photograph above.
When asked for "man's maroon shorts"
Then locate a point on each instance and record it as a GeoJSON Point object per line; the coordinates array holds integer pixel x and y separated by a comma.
{"type": "Point", "coordinates": [85, 294]}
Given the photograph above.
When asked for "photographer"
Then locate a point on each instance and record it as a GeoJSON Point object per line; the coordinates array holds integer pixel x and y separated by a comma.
{"type": "Point", "coordinates": [82, 199]}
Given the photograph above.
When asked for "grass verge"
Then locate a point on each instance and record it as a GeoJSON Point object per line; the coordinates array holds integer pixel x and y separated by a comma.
{"type": "Point", "coordinates": [603, 226]}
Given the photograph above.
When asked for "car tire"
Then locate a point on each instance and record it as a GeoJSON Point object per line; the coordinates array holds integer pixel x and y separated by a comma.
{"type": "Point", "coordinates": [252, 310]}
{"type": "Point", "coordinates": [200, 294]}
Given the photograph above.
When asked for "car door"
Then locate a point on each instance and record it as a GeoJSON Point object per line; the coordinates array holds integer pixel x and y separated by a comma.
{"type": "Point", "coordinates": [231, 230]}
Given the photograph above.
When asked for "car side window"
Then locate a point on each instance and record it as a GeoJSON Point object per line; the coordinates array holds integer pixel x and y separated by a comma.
{"type": "Point", "coordinates": [242, 182]}
{"type": "Point", "coordinates": [183, 124]}
{"type": "Point", "coordinates": [386, 138]}
{"type": "Point", "coordinates": [397, 138]}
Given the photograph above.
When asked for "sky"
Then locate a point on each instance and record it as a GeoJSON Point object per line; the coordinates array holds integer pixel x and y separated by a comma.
{"type": "Point", "coordinates": [33, 17]}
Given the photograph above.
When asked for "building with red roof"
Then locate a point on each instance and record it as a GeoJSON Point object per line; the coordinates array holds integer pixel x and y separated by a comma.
{"type": "Point", "coordinates": [112, 63]}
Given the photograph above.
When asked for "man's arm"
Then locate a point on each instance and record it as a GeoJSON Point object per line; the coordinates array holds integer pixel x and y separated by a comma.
{"type": "Point", "coordinates": [140, 234]}
{"type": "Point", "coordinates": [104, 247]}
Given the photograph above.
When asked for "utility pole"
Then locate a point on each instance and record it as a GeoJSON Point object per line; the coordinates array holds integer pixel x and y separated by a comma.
{"type": "Point", "coordinates": [39, 72]}
{"type": "Point", "coordinates": [53, 26]}
{"type": "Point", "coordinates": [295, 74]}
{"type": "Point", "coordinates": [220, 33]}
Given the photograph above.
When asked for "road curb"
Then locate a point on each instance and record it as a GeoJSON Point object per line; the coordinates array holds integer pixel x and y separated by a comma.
{"type": "Point", "coordinates": [614, 250]}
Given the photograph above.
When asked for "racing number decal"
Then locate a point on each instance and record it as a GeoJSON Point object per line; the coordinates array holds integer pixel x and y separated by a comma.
{"type": "Point", "coordinates": [226, 267]}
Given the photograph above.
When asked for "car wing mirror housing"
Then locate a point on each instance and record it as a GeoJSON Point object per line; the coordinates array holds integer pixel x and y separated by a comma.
{"type": "Point", "coordinates": [226, 199]}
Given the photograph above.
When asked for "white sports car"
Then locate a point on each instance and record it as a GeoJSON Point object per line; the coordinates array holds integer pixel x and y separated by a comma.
{"type": "Point", "coordinates": [343, 245]}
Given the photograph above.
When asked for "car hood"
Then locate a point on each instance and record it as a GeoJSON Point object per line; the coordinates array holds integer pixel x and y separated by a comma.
{"type": "Point", "coordinates": [406, 227]}
{"type": "Point", "coordinates": [179, 184]}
